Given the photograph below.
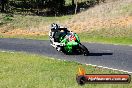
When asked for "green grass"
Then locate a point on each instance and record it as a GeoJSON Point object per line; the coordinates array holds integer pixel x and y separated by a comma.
{"type": "Point", "coordinates": [21, 70]}
{"type": "Point", "coordinates": [35, 37]}
{"type": "Point", "coordinates": [106, 40]}
{"type": "Point", "coordinates": [111, 36]}
{"type": "Point", "coordinates": [127, 9]}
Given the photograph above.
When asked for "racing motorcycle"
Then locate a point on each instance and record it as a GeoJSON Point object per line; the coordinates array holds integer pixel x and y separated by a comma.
{"type": "Point", "coordinates": [70, 44]}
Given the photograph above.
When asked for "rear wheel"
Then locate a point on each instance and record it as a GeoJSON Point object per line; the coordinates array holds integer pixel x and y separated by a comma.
{"type": "Point", "coordinates": [84, 50]}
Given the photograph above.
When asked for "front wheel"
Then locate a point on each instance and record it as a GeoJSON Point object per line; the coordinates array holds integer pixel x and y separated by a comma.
{"type": "Point", "coordinates": [84, 50]}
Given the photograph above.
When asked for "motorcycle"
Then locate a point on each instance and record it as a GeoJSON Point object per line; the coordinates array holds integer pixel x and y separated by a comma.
{"type": "Point", "coordinates": [70, 44]}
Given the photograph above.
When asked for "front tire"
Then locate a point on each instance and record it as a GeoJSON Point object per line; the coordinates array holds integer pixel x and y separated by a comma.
{"type": "Point", "coordinates": [84, 50]}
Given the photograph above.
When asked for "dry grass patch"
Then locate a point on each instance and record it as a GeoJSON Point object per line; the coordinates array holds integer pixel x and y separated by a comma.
{"type": "Point", "coordinates": [106, 15]}
{"type": "Point", "coordinates": [99, 23]}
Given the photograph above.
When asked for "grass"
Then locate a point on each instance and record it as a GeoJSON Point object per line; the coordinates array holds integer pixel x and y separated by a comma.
{"type": "Point", "coordinates": [21, 70]}
{"type": "Point", "coordinates": [105, 23]}
{"type": "Point", "coordinates": [85, 37]}
{"type": "Point", "coordinates": [106, 40]}
{"type": "Point", "coordinates": [109, 22]}
{"type": "Point", "coordinates": [35, 37]}
{"type": "Point", "coordinates": [29, 23]}
{"type": "Point", "coordinates": [108, 36]}
{"type": "Point", "coordinates": [127, 9]}
{"type": "Point", "coordinates": [36, 21]}
{"type": "Point", "coordinates": [111, 36]}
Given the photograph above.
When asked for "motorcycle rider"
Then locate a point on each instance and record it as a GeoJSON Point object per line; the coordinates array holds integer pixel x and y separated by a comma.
{"type": "Point", "coordinates": [55, 34]}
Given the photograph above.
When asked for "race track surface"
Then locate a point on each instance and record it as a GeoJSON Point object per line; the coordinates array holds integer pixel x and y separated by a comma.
{"type": "Point", "coordinates": [107, 55]}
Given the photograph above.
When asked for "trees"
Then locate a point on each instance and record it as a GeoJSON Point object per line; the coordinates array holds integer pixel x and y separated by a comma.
{"type": "Point", "coordinates": [45, 7]}
{"type": "Point", "coordinates": [3, 5]}
{"type": "Point", "coordinates": [54, 5]}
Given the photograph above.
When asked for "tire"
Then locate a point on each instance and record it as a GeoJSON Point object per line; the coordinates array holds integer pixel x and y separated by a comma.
{"type": "Point", "coordinates": [84, 50]}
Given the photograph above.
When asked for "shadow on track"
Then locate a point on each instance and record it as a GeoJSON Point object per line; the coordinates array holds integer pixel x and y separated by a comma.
{"type": "Point", "coordinates": [91, 54]}
{"type": "Point", "coordinates": [99, 54]}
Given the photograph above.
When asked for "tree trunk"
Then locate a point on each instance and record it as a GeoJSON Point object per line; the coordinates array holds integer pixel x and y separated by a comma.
{"type": "Point", "coordinates": [76, 7]}
{"type": "Point", "coordinates": [73, 3]}
{"type": "Point", "coordinates": [2, 6]}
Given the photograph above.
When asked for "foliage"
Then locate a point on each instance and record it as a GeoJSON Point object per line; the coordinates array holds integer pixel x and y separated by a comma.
{"type": "Point", "coordinates": [44, 7]}
{"type": "Point", "coordinates": [32, 5]}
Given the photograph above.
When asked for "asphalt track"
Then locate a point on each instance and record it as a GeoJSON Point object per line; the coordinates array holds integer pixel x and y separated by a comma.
{"type": "Point", "coordinates": [107, 55]}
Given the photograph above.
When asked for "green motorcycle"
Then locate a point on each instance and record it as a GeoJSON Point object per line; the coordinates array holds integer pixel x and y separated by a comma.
{"type": "Point", "coordinates": [70, 44]}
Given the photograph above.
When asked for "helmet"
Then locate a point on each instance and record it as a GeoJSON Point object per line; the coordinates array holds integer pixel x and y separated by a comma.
{"type": "Point", "coordinates": [54, 26]}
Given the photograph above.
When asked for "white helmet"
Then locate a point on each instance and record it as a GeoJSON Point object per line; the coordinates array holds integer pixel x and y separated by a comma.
{"type": "Point", "coordinates": [54, 26]}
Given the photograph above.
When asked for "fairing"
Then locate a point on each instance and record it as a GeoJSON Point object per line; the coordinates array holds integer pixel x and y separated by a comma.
{"type": "Point", "coordinates": [70, 42]}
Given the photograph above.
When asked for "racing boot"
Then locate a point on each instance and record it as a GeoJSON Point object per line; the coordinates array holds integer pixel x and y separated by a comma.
{"type": "Point", "coordinates": [58, 48]}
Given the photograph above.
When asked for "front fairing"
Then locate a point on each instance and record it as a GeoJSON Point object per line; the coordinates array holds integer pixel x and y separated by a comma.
{"type": "Point", "coordinates": [69, 46]}
{"type": "Point", "coordinates": [77, 38]}
{"type": "Point", "coordinates": [70, 43]}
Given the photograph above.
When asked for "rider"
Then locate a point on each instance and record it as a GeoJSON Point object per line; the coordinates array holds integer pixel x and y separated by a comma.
{"type": "Point", "coordinates": [55, 34]}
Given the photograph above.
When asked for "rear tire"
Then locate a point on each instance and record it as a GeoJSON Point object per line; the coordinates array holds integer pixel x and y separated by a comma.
{"type": "Point", "coordinates": [84, 50]}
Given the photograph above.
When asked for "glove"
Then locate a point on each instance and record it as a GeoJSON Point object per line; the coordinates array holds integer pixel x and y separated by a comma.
{"type": "Point", "coordinates": [62, 44]}
{"type": "Point", "coordinates": [58, 44]}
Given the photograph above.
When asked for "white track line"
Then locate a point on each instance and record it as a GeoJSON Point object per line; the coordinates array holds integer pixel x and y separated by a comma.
{"type": "Point", "coordinates": [130, 45]}
{"type": "Point", "coordinates": [3, 51]}
{"type": "Point", "coordinates": [88, 64]}
{"type": "Point", "coordinates": [109, 68]}
{"type": "Point", "coordinates": [7, 51]}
